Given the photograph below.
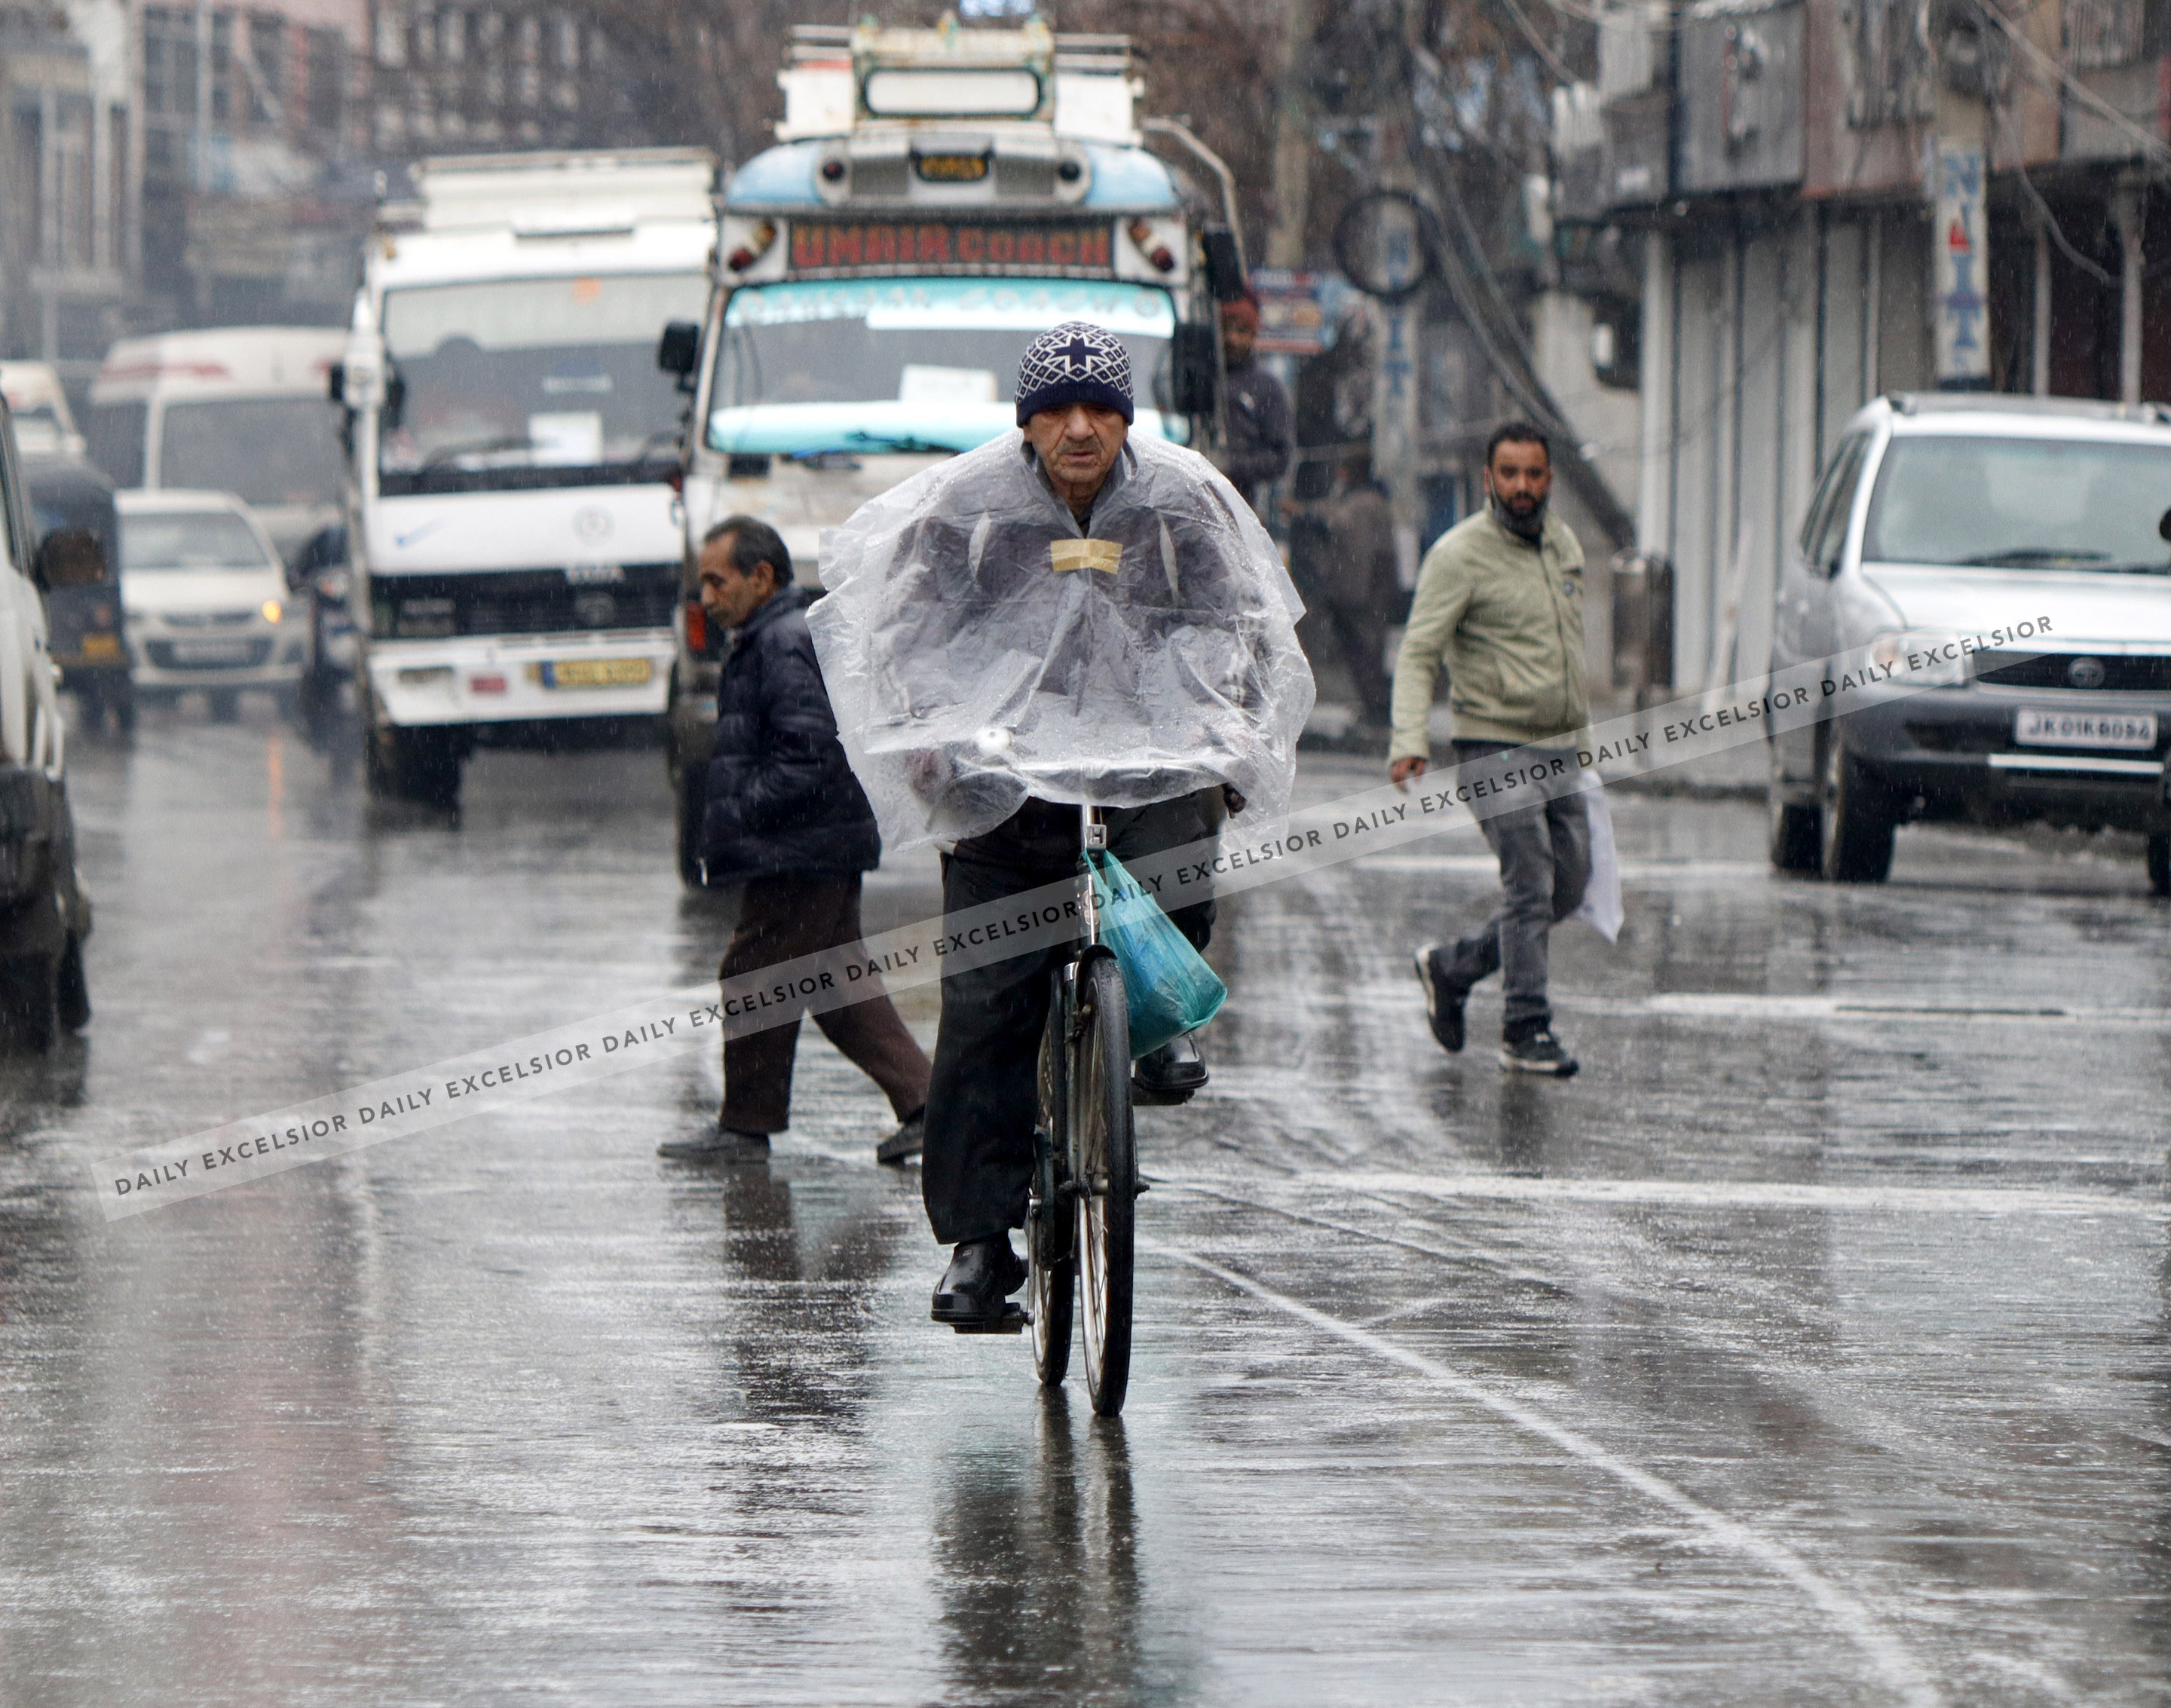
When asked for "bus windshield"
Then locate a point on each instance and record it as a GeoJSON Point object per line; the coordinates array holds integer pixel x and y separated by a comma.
{"type": "Point", "coordinates": [909, 364]}
{"type": "Point", "coordinates": [265, 451]}
{"type": "Point", "coordinates": [528, 383]}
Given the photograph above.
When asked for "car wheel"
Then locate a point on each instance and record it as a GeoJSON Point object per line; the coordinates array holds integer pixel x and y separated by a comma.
{"type": "Point", "coordinates": [692, 795]}
{"type": "Point", "coordinates": [30, 1001]}
{"type": "Point", "coordinates": [74, 993]}
{"type": "Point", "coordinates": [2159, 865]}
{"type": "Point", "coordinates": [1856, 840]}
{"type": "Point", "coordinates": [1793, 838]}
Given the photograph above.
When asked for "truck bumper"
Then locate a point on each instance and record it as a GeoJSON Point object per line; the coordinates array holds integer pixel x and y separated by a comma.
{"type": "Point", "coordinates": [504, 679]}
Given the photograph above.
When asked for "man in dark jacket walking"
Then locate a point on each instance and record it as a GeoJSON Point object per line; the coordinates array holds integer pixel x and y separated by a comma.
{"type": "Point", "coordinates": [1260, 434]}
{"type": "Point", "coordinates": [786, 818]}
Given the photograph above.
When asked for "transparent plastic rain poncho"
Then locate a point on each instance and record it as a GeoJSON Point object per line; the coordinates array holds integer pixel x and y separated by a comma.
{"type": "Point", "coordinates": [978, 649]}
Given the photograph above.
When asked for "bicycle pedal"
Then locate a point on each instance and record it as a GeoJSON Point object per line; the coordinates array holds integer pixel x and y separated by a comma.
{"type": "Point", "coordinates": [1015, 1320]}
{"type": "Point", "coordinates": [1161, 1100]}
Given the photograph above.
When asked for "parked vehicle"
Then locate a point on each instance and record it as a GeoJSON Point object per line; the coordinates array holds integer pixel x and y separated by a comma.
{"type": "Point", "coordinates": [44, 426]}
{"type": "Point", "coordinates": [80, 554]}
{"type": "Point", "coordinates": [513, 540]}
{"type": "Point", "coordinates": [45, 914]}
{"type": "Point", "coordinates": [206, 600]}
{"type": "Point", "coordinates": [239, 410]}
{"type": "Point", "coordinates": [937, 199]}
{"type": "Point", "coordinates": [1950, 515]}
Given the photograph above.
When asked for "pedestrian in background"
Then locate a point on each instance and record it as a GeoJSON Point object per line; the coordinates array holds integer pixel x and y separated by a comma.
{"type": "Point", "coordinates": [1341, 558]}
{"type": "Point", "coordinates": [1261, 433]}
{"type": "Point", "coordinates": [1499, 600]}
{"type": "Point", "coordinates": [786, 818]}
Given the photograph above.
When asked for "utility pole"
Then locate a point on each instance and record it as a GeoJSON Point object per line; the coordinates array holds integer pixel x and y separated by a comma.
{"type": "Point", "coordinates": [1292, 140]}
{"type": "Point", "coordinates": [200, 140]}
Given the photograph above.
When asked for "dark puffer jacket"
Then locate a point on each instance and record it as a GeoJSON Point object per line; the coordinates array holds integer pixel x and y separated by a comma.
{"type": "Point", "coordinates": [781, 797]}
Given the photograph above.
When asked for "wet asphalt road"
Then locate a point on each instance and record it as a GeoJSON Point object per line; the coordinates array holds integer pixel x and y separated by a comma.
{"type": "Point", "coordinates": [1809, 1347]}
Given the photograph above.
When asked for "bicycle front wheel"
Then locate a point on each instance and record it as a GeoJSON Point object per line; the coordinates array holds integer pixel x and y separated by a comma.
{"type": "Point", "coordinates": [1050, 1255]}
{"type": "Point", "coordinates": [1105, 1176]}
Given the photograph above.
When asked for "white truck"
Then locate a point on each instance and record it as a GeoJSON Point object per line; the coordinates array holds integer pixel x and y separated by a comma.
{"type": "Point", "coordinates": [512, 454]}
{"type": "Point", "coordinates": [937, 198]}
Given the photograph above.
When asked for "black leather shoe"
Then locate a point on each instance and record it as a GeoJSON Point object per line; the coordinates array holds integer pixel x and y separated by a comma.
{"type": "Point", "coordinates": [910, 1139]}
{"type": "Point", "coordinates": [724, 1144]}
{"type": "Point", "coordinates": [982, 1274]}
{"type": "Point", "coordinates": [1173, 1072]}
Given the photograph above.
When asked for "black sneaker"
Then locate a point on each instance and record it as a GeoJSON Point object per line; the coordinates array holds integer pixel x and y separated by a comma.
{"type": "Point", "coordinates": [1537, 1052]}
{"type": "Point", "coordinates": [723, 1144]}
{"type": "Point", "coordinates": [1442, 1001]}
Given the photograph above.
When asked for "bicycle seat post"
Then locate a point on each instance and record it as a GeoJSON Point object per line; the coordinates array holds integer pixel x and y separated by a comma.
{"type": "Point", "coordinates": [1093, 834]}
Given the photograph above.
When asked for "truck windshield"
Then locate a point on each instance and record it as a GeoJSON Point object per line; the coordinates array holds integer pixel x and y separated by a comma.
{"type": "Point", "coordinates": [530, 383]}
{"type": "Point", "coordinates": [265, 451]}
{"type": "Point", "coordinates": [2021, 504]}
{"type": "Point", "coordinates": [190, 539]}
{"type": "Point", "coordinates": [910, 364]}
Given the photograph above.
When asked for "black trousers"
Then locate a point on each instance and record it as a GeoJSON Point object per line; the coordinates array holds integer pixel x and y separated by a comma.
{"type": "Point", "coordinates": [983, 1101]}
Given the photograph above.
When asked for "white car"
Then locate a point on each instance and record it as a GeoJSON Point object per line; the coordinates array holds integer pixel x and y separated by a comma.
{"type": "Point", "coordinates": [1946, 517]}
{"type": "Point", "coordinates": [206, 601]}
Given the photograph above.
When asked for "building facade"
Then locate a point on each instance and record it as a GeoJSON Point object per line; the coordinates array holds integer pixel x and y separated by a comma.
{"type": "Point", "coordinates": [1840, 198]}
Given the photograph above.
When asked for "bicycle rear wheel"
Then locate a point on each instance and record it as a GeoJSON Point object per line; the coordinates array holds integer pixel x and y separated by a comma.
{"type": "Point", "coordinates": [1105, 1167]}
{"type": "Point", "coordinates": [1050, 1255]}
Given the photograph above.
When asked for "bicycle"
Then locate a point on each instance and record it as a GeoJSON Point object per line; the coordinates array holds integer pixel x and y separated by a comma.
{"type": "Point", "coordinates": [1086, 1185]}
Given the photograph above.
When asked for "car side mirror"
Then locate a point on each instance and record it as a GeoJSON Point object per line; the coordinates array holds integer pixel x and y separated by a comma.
{"type": "Point", "coordinates": [1194, 369]}
{"type": "Point", "coordinates": [2163, 526]}
{"type": "Point", "coordinates": [1225, 264]}
{"type": "Point", "coordinates": [678, 351]}
{"type": "Point", "coordinates": [335, 382]}
{"type": "Point", "coordinates": [69, 557]}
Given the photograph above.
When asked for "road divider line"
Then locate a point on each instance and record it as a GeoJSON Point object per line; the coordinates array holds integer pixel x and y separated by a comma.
{"type": "Point", "coordinates": [1454, 799]}
{"type": "Point", "coordinates": [1848, 1612]}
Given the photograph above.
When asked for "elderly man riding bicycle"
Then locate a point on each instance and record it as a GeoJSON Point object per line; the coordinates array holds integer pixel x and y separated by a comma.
{"type": "Point", "coordinates": [1065, 617]}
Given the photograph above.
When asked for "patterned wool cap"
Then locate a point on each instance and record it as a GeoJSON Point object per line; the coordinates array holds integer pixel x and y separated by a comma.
{"type": "Point", "coordinates": [1074, 363]}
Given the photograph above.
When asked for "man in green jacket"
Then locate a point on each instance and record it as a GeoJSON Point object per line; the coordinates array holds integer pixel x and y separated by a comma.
{"type": "Point", "coordinates": [1499, 601]}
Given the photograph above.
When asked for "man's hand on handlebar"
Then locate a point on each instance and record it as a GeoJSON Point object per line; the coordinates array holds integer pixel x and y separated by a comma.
{"type": "Point", "coordinates": [1404, 768]}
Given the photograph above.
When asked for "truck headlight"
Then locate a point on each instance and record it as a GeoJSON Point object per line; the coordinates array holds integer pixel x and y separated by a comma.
{"type": "Point", "coordinates": [1921, 657]}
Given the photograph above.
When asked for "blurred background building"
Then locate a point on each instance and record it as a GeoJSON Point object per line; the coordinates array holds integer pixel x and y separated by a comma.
{"type": "Point", "coordinates": [1688, 237]}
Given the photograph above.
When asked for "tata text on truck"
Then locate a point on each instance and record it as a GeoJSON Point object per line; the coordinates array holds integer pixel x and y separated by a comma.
{"type": "Point", "coordinates": [937, 198]}
{"type": "Point", "coordinates": [515, 552]}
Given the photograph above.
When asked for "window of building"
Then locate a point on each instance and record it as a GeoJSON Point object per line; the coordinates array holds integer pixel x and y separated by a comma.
{"type": "Point", "coordinates": [264, 71]}
{"type": "Point", "coordinates": [327, 75]}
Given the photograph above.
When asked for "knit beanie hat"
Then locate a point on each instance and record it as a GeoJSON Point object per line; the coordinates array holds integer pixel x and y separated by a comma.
{"type": "Point", "coordinates": [1075, 363]}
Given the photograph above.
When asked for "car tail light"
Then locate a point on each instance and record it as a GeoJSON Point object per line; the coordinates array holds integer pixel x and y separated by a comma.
{"type": "Point", "coordinates": [697, 626]}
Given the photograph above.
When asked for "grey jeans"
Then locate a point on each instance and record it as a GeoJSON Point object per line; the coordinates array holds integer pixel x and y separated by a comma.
{"type": "Point", "coordinates": [1544, 851]}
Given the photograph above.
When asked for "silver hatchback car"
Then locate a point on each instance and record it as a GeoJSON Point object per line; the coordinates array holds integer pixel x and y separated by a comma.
{"type": "Point", "coordinates": [1948, 514]}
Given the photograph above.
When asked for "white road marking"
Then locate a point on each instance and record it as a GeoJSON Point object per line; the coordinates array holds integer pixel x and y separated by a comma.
{"type": "Point", "coordinates": [1714, 1195]}
{"type": "Point", "coordinates": [1862, 1626]}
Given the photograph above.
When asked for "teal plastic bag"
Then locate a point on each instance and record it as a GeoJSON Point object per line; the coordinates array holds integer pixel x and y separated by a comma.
{"type": "Point", "coordinates": [1167, 985]}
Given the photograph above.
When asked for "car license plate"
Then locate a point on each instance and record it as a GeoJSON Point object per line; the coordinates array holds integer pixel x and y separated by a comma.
{"type": "Point", "coordinates": [105, 646]}
{"type": "Point", "coordinates": [2038, 728]}
{"type": "Point", "coordinates": [597, 672]}
{"type": "Point", "coordinates": [211, 651]}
